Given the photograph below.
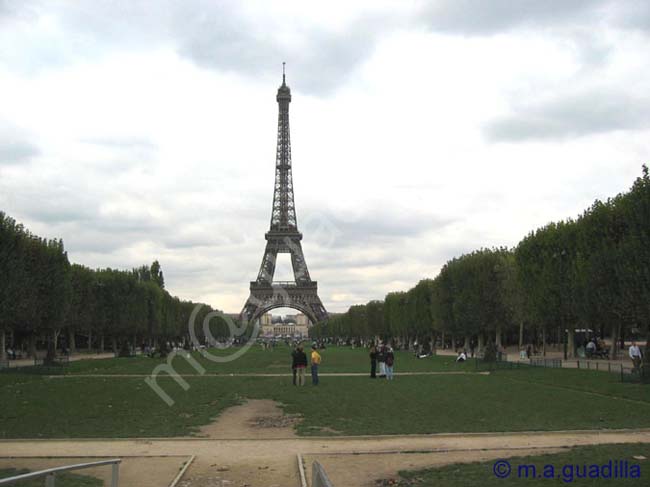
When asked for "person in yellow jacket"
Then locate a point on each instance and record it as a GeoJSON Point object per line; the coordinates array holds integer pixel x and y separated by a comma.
{"type": "Point", "coordinates": [315, 362]}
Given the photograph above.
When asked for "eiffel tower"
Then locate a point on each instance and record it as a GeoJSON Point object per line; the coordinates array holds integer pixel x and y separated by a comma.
{"type": "Point", "coordinates": [283, 237]}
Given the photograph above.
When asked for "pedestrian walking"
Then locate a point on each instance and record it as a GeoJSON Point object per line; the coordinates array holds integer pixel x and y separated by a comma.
{"type": "Point", "coordinates": [315, 362]}
{"type": "Point", "coordinates": [373, 362]}
{"type": "Point", "coordinates": [636, 355]}
{"type": "Point", "coordinates": [390, 362]}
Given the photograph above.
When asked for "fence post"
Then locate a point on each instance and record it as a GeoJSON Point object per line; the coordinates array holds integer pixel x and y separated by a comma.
{"type": "Point", "coordinates": [318, 476]}
{"type": "Point", "coordinates": [115, 475]}
{"type": "Point", "coordinates": [49, 480]}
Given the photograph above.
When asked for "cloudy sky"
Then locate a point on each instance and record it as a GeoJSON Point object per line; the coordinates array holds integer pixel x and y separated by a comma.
{"type": "Point", "coordinates": [141, 130]}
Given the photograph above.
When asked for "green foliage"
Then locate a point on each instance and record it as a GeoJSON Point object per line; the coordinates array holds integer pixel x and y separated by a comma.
{"type": "Point", "coordinates": [62, 480]}
{"type": "Point", "coordinates": [592, 272]}
{"type": "Point", "coordinates": [568, 468]}
{"type": "Point", "coordinates": [41, 294]}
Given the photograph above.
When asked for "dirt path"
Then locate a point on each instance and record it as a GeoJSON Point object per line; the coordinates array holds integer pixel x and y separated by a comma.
{"type": "Point", "coordinates": [253, 445]}
{"type": "Point", "coordinates": [256, 419]}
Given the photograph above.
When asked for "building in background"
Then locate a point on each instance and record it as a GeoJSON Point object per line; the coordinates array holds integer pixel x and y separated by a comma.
{"type": "Point", "coordinates": [291, 326]}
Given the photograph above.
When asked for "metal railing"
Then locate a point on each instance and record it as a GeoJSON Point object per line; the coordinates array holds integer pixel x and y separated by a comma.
{"type": "Point", "coordinates": [549, 363]}
{"type": "Point", "coordinates": [50, 473]}
{"type": "Point", "coordinates": [318, 476]}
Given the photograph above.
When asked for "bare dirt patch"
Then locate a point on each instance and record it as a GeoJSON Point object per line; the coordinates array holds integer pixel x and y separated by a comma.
{"type": "Point", "coordinates": [255, 419]}
{"type": "Point", "coordinates": [242, 471]}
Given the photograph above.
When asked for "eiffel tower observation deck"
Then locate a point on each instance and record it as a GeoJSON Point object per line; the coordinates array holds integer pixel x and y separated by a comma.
{"type": "Point", "coordinates": [283, 237]}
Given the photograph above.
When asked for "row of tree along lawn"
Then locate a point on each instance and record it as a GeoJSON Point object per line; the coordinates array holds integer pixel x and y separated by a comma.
{"type": "Point", "coordinates": [561, 280]}
{"type": "Point", "coordinates": [44, 300]}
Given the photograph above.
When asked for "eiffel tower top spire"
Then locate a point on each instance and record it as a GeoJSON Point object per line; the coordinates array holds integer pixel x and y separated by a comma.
{"type": "Point", "coordinates": [283, 216]}
{"type": "Point", "coordinates": [283, 238]}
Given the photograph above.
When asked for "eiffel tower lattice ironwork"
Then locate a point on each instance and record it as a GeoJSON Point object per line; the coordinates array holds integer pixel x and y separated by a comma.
{"type": "Point", "coordinates": [283, 237]}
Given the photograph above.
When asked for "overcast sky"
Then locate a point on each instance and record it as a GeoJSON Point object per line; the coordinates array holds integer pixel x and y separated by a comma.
{"type": "Point", "coordinates": [142, 130]}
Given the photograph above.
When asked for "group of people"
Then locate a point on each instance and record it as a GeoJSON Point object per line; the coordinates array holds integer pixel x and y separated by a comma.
{"type": "Point", "coordinates": [299, 364]}
{"type": "Point", "coordinates": [596, 348]}
{"type": "Point", "coordinates": [385, 357]}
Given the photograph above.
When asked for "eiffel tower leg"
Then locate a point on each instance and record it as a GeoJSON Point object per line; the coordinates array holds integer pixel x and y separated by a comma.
{"type": "Point", "coordinates": [300, 271]}
{"type": "Point", "coordinates": [267, 269]}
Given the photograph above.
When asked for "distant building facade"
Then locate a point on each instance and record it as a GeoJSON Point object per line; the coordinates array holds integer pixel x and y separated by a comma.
{"type": "Point", "coordinates": [294, 326]}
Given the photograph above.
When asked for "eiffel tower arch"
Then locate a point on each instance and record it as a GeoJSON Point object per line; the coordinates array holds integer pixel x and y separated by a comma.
{"type": "Point", "coordinates": [283, 237]}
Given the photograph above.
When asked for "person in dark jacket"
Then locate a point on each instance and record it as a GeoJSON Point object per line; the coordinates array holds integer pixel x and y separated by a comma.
{"type": "Point", "coordinates": [373, 362]}
{"type": "Point", "coordinates": [294, 362]}
{"type": "Point", "coordinates": [301, 365]}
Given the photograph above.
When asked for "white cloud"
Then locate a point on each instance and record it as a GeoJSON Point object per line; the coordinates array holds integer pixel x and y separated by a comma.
{"type": "Point", "coordinates": [146, 130]}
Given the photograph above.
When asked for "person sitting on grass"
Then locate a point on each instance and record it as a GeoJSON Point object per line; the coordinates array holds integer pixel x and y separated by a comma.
{"type": "Point", "coordinates": [462, 357]}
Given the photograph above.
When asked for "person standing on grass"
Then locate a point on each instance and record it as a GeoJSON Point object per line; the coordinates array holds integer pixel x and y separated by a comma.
{"type": "Point", "coordinates": [373, 362]}
{"type": "Point", "coordinates": [301, 365]}
{"type": "Point", "coordinates": [390, 361]}
{"type": "Point", "coordinates": [294, 363]}
{"type": "Point", "coordinates": [381, 358]}
{"type": "Point", "coordinates": [636, 356]}
{"type": "Point", "coordinates": [315, 362]}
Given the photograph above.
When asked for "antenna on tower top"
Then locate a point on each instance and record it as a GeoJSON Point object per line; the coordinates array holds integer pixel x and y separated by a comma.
{"type": "Point", "coordinates": [283, 81]}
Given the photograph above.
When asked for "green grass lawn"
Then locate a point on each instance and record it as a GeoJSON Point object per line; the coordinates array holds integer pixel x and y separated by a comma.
{"type": "Point", "coordinates": [567, 469]}
{"type": "Point", "coordinates": [256, 360]}
{"type": "Point", "coordinates": [62, 480]}
{"type": "Point", "coordinates": [36, 406]}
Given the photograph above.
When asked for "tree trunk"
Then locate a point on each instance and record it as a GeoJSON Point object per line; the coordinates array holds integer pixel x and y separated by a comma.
{"type": "Point", "coordinates": [51, 347]}
{"type": "Point", "coordinates": [3, 345]}
{"type": "Point", "coordinates": [443, 345]}
{"type": "Point", "coordinates": [480, 345]}
{"type": "Point", "coordinates": [498, 336]}
{"type": "Point", "coordinates": [32, 345]}
{"type": "Point", "coordinates": [543, 342]}
{"type": "Point", "coordinates": [72, 344]}
{"type": "Point", "coordinates": [101, 344]}
{"type": "Point", "coordinates": [114, 344]}
{"type": "Point", "coordinates": [521, 334]}
{"type": "Point", "coordinates": [466, 344]}
{"type": "Point", "coordinates": [90, 340]}
{"type": "Point", "coordinates": [453, 342]}
{"type": "Point", "coordinates": [616, 332]}
{"type": "Point", "coordinates": [571, 343]}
